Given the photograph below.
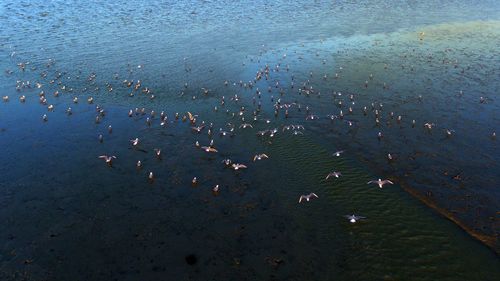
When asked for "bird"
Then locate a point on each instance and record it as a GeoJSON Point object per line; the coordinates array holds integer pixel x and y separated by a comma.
{"type": "Point", "coordinates": [194, 181]}
{"type": "Point", "coordinates": [333, 174]}
{"type": "Point", "coordinates": [191, 116]}
{"type": "Point", "coordinates": [237, 166]}
{"type": "Point", "coordinates": [338, 153]}
{"type": "Point", "coordinates": [151, 177]}
{"type": "Point", "coordinates": [429, 126]}
{"type": "Point", "coordinates": [311, 117]}
{"type": "Point", "coordinates": [246, 125]}
{"type": "Point", "coordinates": [198, 129]}
{"type": "Point", "coordinates": [354, 218]}
{"type": "Point", "coordinates": [158, 153]}
{"type": "Point", "coordinates": [108, 159]}
{"type": "Point", "coordinates": [260, 156]}
{"type": "Point", "coordinates": [215, 190]}
{"type": "Point", "coordinates": [307, 197]}
{"type": "Point", "coordinates": [135, 141]}
{"type": "Point", "coordinates": [209, 149]}
{"type": "Point", "coordinates": [380, 182]}
{"type": "Point", "coordinates": [139, 164]}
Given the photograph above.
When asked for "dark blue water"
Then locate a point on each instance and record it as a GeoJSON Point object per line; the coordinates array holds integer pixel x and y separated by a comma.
{"type": "Point", "coordinates": [67, 215]}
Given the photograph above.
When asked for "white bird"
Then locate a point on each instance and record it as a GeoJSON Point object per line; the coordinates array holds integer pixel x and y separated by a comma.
{"type": "Point", "coordinates": [307, 197]}
{"type": "Point", "coordinates": [354, 218]}
{"type": "Point", "coordinates": [237, 166]}
{"type": "Point", "coordinates": [209, 149]}
{"type": "Point", "coordinates": [135, 141]}
{"type": "Point", "coordinates": [108, 159]}
{"type": "Point", "coordinates": [198, 129]}
{"type": "Point", "coordinates": [139, 164]}
{"type": "Point", "coordinates": [338, 153]}
{"type": "Point", "coordinates": [429, 125]}
{"type": "Point", "coordinates": [260, 156]}
{"type": "Point", "coordinates": [215, 190]}
{"type": "Point", "coordinates": [158, 153]}
{"type": "Point", "coordinates": [246, 125]}
{"type": "Point", "coordinates": [380, 182]}
{"type": "Point", "coordinates": [151, 177]}
{"type": "Point", "coordinates": [333, 174]}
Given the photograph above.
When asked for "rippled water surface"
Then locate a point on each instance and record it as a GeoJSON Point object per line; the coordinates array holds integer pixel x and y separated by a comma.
{"type": "Point", "coordinates": [66, 215]}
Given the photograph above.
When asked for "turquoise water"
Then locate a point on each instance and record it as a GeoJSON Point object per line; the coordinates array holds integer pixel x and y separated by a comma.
{"type": "Point", "coordinates": [67, 215]}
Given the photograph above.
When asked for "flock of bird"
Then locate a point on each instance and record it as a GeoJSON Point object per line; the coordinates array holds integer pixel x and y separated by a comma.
{"type": "Point", "coordinates": [248, 120]}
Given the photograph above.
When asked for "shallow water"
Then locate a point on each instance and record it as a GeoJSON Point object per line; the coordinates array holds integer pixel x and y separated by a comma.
{"type": "Point", "coordinates": [66, 215]}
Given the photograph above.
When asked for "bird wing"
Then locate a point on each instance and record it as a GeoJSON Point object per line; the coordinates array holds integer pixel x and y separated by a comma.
{"type": "Point", "coordinates": [103, 157]}
{"type": "Point", "coordinates": [301, 197]}
{"type": "Point", "coordinates": [314, 194]}
{"type": "Point", "coordinates": [372, 182]}
{"type": "Point", "coordinates": [388, 181]}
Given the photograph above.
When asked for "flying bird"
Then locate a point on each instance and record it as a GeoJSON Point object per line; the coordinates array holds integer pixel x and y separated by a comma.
{"type": "Point", "coordinates": [338, 153]}
{"type": "Point", "coordinates": [260, 157]}
{"type": "Point", "coordinates": [307, 197]}
{"type": "Point", "coordinates": [354, 218]}
{"type": "Point", "coordinates": [108, 159]}
{"type": "Point", "coordinates": [381, 182]}
{"type": "Point", "coordinates": [333, 174]}
{"type": "Point", "coordinates": [209, 149]}
{"type": "Point", "coordinates": [237, 166]}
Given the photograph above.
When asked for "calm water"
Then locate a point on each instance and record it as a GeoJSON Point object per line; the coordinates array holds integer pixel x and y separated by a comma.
{"type": "Point", "coordinates": [66, 215]}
